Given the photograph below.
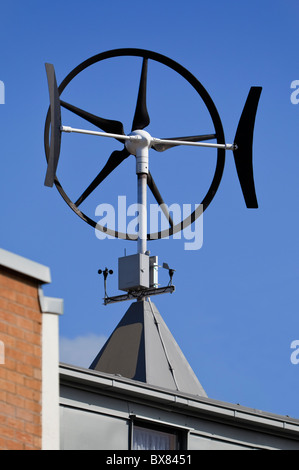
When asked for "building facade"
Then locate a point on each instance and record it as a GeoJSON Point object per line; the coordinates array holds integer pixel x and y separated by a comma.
{"type": "Point", "coordinates": [29, 386]}
{"type": "Point", "coordinates": [107, 412]}
{"type": "Point", "coordinates": [149, 400]}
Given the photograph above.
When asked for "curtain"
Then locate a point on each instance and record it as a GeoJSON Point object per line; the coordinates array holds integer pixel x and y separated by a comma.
{"type": "Point", "coordinates": [147, 439]}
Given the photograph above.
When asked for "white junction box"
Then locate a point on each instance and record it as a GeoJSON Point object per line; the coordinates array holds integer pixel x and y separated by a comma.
{"type": "Point", "coordinates": [154, 272]}
{"type": "Point", "coordinates": [133, 272]}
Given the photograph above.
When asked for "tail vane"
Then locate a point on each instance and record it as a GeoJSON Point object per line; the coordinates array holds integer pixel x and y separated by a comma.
{"type": "Point", "coordinates": [243, 151]}
{"type": "Point", "coordinates": [55, 141]}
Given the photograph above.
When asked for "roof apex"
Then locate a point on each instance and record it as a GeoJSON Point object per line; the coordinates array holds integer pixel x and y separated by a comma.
{"type": "Point", "coordinates": [142, 348]}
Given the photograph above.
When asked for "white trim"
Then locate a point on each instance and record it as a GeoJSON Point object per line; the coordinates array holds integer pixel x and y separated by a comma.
{"type": "Point", "coordinates": [25, 266]}
{"type": "Point", "coordinates": [51, 309]}
{"type": "Point", "coordinates": [50, 304]}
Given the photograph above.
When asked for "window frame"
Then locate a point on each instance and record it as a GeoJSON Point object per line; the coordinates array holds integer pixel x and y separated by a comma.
{"type": "Point", "coordinates": [180, 433]}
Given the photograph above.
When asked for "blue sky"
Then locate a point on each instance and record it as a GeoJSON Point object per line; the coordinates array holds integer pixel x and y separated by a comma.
{"type": "Point", "coordinates": [236, 307]}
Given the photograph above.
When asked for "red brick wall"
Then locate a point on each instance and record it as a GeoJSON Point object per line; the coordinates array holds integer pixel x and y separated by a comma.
{"type": "Point", "coordinates": [20, 375]}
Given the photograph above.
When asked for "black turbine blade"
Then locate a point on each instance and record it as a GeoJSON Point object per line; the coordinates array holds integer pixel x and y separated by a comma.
{"type": "Point", "coordinates": [107, 125]}
{"type": "Point", "coordinates": [141, 117]}
{"type": "Point", "coordinates": [113, 161]}
{"type": "Point", "coordinates": [55, 140]}
{"type": "Point", "coordinates": [158, 197]}
{"type": "Point", "coordinates": [192, 138]}
{"type": "Point", "coordinates": [243, 152]}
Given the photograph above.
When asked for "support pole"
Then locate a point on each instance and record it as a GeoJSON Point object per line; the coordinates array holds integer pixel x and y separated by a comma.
{"type": "Point", "coordinates": [139, 146]}
{"type": "Point", "coordinates": [142, 204]}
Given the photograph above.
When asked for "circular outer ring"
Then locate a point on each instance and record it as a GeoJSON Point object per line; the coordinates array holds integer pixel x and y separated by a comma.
{"type": "Point", "coordinates": [213, 113]}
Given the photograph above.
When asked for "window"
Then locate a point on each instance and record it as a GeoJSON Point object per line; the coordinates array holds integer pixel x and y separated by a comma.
{"type": "Point", "coordinates": [147, 436]}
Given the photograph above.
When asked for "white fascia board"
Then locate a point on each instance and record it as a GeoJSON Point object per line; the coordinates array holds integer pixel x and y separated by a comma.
{"type": "Point", "coordinates": [50, 304]}
{"type": "Point", "coordinates": [25, 266]}
{"type": "Point", "coordinates": [50, 374]}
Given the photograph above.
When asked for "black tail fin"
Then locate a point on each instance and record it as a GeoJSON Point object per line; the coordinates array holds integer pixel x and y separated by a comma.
{"type": "Point", "coordinates": [55, 126]}
{"type": "Point", "coordinates": [243, 152]}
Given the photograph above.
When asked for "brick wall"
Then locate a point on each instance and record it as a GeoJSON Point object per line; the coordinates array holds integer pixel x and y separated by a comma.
{"type": "Point", "coordinates": [21, 364]}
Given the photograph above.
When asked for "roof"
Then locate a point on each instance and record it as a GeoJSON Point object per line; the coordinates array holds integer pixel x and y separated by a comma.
{"type": "Point", "coordinates": [25, 266]}
{"type": "Point", "coordinates": [142, 348]}
{"type": "Point", "coordinates": [99, 382]}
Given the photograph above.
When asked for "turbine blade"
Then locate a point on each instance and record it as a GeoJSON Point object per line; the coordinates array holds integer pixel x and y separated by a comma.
{"type": "Point", "coordinates": [193, 138]}
{"type": "Point", "coordinates": [158, 197]}
{"type": "Point", "coordinates": [243, 152]}
{"type": "Point", "coordinates": [107, 125]}
{"type": "Point", "coordinates": [141, 117]}
{"type": "Point", "coordinates": [113, 161]}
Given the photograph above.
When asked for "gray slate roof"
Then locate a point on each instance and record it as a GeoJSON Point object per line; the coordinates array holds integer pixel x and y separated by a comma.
{"type": "Point", "coordinates": [142, 348]}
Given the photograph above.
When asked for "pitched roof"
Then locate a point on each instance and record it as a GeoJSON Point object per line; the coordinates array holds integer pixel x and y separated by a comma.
{"type": "Point", "coordinates": [142, 348]}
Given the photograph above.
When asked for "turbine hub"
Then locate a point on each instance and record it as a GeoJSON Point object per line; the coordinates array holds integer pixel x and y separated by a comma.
{"type": "Point", "coordinates": [141, 145]}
